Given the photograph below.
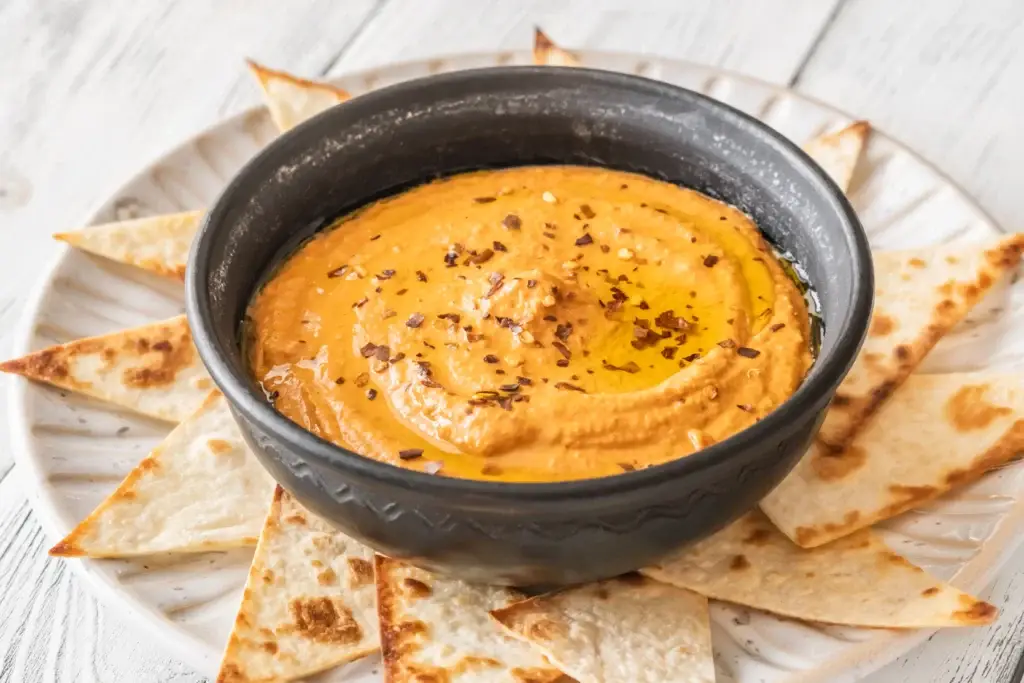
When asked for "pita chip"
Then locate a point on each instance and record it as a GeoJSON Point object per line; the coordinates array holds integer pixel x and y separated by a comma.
{"type": "Point", "coordinates": [292, 100]}
{"type": "Point", "coordinates": [153, 370]}
{"type": "Point", "coordinates": [439, 629]}
{"type": "Point", "coordinates": [201, 489]}
{"type": "Point", "coordinates": [545, 52]}
{"type": "Point", "coordinates": [920, 295]}
{"type": "Point", "coordinates": [855, 581]}
{"type": "Point", "coordinates": [937, 432]}
{"type": "Point", "coordinates": [309, 603]}
{"type": "Point", "coordinates": [838, 153]}
{"type": "Point", "coordinates": [159, 244]}
{"type": "Point", "coordinates": [629, 629]}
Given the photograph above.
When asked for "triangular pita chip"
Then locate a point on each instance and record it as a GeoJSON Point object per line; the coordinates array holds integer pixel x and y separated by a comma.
{"type": "Point", "coordinates": [159, 244]}
{"type": "Point", "coordinates": [292, 100]}
{"type": "Point", "coordinates": [935, 433]}
{"type": "Point", "coordinates": [201, 489]}
{"type": "Point", "coordinates": [625, 630]}
{"type": "Point", "coordinates": [545, 52]}
{"type": "Point", "coordinates": [439, 629]}
{"type": "Point", "coordinates": [309, 603]}
{"type": "Point", "coordinates": [855, 581]}
{"type": "Point", "coordinates": [153, 370]}
{"type": "Point", "coordinates": [919, 296]}
{"type": "Point", "coordinates": [839, 152]}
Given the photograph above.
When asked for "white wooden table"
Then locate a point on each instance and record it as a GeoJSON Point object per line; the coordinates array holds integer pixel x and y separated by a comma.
{"type": "Point", "coordinates": [90, 91]}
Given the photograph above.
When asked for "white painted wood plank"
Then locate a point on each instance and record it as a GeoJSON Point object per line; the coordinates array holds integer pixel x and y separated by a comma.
{"type": "Point", "coordinates": [764, 39]}
{"type": "Point", "coordinates": [944, 77]}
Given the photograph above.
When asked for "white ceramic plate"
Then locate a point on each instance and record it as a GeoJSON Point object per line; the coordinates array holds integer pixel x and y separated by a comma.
{"type": "Point", "coordinates": [73, 451]}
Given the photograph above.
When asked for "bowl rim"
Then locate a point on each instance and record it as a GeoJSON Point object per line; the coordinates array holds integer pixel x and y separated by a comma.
{"type": "Point", "coordinates": [825, 375]}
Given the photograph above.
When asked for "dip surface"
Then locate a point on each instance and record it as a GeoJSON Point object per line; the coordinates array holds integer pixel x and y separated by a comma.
{"type": "Point", "coordinates": [532, 324]}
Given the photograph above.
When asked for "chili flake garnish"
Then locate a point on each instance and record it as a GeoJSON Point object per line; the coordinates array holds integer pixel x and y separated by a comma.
{"type": "Point", "coordinates": [388, 313]}
{"type": "Point", "coordinates": [498, 246]}
{"type": "Point", "coordinates": [382, 352]}
{"type": "Point", "coordinates": [585, 240]}
{"type": "Point", "coordinates": [386, 274]}
{"type": "Point", "coordinates": [483, 257]}
{"type": "Point", "coordinates": [375, 238]}
{"type": "Point", "coordinates": [669, 320]}
{"type": "Point", "coordinates": [563, 331]}
{"type": "Point", "coordinates": [587, 211]}
{"type": "Point", "coordinates": [496, 280]}
{"type": "Point", "coordinates": [272, 396]}
{"type": "Point", "coordinates": [627, 467]}
{"type": "Point", "coordinates": [511, 388]}
{"type": "Point", "coordinates": [410, 453]}
{"type": "Point", "coordinates": [530, 284]}
{"type": "Point", "coordinates": [360, 303]}
{"type": "Point", "coordinates": [605, 248]}
{"type": "Point", "coordinates": [485, 200]}
{"type": "Point", "coordinates": [777, 326]}
{"type": "Point", "coordinates": [421, 276]}
{"type": "Point", "coordinates": [450, 259]}
{"type": "Point", "coordinates": [562, 362]}
{"type": "Point", "coordinates": [362, 379]}
{"type": "Point", "coordinates": [569, 387]}
{"type": "Point", "coordinates": [490, 358]}
{"type": "Point", "coordinates": [401, 291]}
{"type": "Point", "coordinates": [371, 394]}
{"type": "Point", "coordinates": [549, 235]}
{"type": "Point", "coordinates": [745, 407]}
{"type": "Point", "coordinates": [340, 380]}
{"type": "Point", "coordinates": [524, 381]}
{"type": "Point", "coordinates": [669, 352]}
{"type": "Point", "coordinates": [710, 260]}
{"type": "Point", "coordinates": [562, 349]}
{"type": "Point", "coordinates": [692, 357]}
{"type": "Point", "coordinates": [505, 402]}
{"type": "Point", "coordinates": [748, 352]}
{"type": "Point", "coordinates": [512, 222]}
{"type": "Point", "coordinates": [631, 367]}
{"type": "Point", "coordinates": [490, 470]}
{"type": "Point", "coordinates": [337, 272]}
{"type": "Point", "coordinates": [453, 317]}
{"type": "Point", "coordinates": [415, 320]}
{"type": "Point", "coordinates": [727, 344]}
{"type": "Point", "coordinates": [368, 349]}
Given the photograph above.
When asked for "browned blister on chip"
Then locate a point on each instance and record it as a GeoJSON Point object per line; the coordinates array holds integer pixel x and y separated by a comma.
{"type": "Point", "coordinates": [545, 52]}
{"type": "Point", "coordinates": [437, 629]}
{"type": "Point", "coordinates": [153, 370]}
{"type": "Point", "coordinates": [631, 629]}
{"type": "Point", "coordinates": [838, 153]}
{"type": "Point", "coordinates": [937, 432]}
{"type": "Point", "coordinates": [920, 295]}
{"type": "Point", "coordinates": [854, 581]}
{"type": "Point", "coordinates": [159, 244]}
{"type": "Point", "coordinates": [291, 100]}
{"type": "Point", "coordinates": [309, 601]}
{"type": "Point", "coordinates": [201, 489]}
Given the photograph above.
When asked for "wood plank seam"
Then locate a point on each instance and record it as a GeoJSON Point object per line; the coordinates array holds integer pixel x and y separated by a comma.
{"type": "Point", "coordinates": [343, 50]}
{"type": "Point", "coordinates": [812, 49]}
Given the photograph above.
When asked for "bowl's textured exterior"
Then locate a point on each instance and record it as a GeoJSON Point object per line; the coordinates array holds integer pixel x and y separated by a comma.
{"type": "Point", "coordinates": [382, 142]}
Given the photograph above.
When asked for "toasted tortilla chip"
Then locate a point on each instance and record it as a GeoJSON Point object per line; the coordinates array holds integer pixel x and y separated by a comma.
{"type": "Point", "coordinates": [935, 433]}
{"type": "Point", "coordinates": [439, 629]}
{"type": "Point", "coordinates": [153, 370]}
{"type": "Point", "coordinates": [309, 603]}
{"type": "Point", "coordinates": [545, 52]}
{"type": "Point", "coordinates": [919, 296]}
{"type": "Point", "coordinates": [292, 100]}
{"type": "Point", "coordinates": [855, 581]}
{"type": "Point", "coordinates": [625, 630]}
{"type": "Point", "coordinates": [838, 153]}
{"type": "Point", "coordinates": [159, 244]}
{"type": "Point", "coordinates": [201, 489]}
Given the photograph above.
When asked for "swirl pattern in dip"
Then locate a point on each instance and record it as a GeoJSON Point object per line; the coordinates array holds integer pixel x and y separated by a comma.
{"type": "Point", "coordinates": [532, 324]}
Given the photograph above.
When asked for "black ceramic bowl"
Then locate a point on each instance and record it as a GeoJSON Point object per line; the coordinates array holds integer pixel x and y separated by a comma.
{"type": "Point", "coordinates": [400, 136]}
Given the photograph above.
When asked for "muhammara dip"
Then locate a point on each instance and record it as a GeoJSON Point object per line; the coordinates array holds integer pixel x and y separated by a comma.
{"type": "Point", "coordinates": [532, 324]}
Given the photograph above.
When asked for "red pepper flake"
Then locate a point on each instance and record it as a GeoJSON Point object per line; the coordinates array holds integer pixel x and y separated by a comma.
{"type": "Point", "coordinates": [563, 331]}
{"type": "Point", "coordinates": [339, 381]}
{"type": "Point", "coordinates": [587, 211]}
{"type": "Point", "coordinates": [745, 407]}
{"type": "Point", "coordinates": [490, 358]}
{"type": "Point", "coordinates": [766, 313]}
{"type": "Point", "coordinates": [490, 470]}
{"type": "Point", "coordinates": [631, 367]}
{"type": "Point", "coordinates": [562, 349]}
{"type": "Point", "coordinates": [368, 349]}
{"type": "Point", "coordinates": [627, 467]}
{"type": "Point", "coordinates": [669, 320]}
{"type": "Point", "coordinates": [605, 248]}
{"type": "Point", "coordinates": [692, 357]}
{"type": "Point", "coordinates": [272, 396]}
{"type": "Point", "coordinates": [619, 295]}
{"type": "Point", "coordinates": [669, 352]}
{"type": "Point", "coordinates": [562, 362]}
{"type": "Point", "coordinates": [451, 259]}
{"type": "Point", "coordinates": [505, 402]}
{"type": "Point", "coordinates": [549, 235]}
{"type": "Point", "coordinates": [397, 357]}
{"type": "Point", "coordinates": [337, 272]}
{"type": "Point", "coordinates": [386, 274]}
{"type": "Point", "coordinates": [410, 453]}
{"type": "Point", "coordinates": [401, 292]}
{"type": "Point", "coordinates": [375, 238]}
{"type": "Point", "coordinates": [483, 257]}
{"type": "Point", "coordinates": [777, 326]}
{"type": "Point", "coordinates": [360, 303]}
{"type": "Point", "coordinates": [530, 284]}
{"type": "Point", "coordinates": [473, 336]}
{"type": "Point", "coordinates": [415, 320]}
{"type": "Point", "coordinates": [382, 353]}
{"type": "Point", "coordinates": [362, 379]}
{"type": "Point", "coordinates": [388, 313]}
{"type": "Point", "coordinates": [748, 352]}
{"type": "Point", "coordinates": [498, 246]}
{"type": "Point", "coordinates": [524, 381]}
{"type": "Point", "coordinates": [727, 344]}
{"type": "Point", "coordinates": [710, 260]}
{"type": "Point", "coordinates": [512, 222]}
{"type": "Point", "coordinates": [510, 388]}
{"type": "Point", "coordinates": [569, 387]}
{"type": "Point", "coordinates": [496, 280]}
{"type": "Point", "coordinates": [421, 276]}
{"type": "Point", "coordinates": [371, 394]}
{"type": "Point", "coordinates": [485, 200]}
{"type": "Point", "coordinates": [643, 305]}
{"type": "Point", "coordinates": [584, 241]}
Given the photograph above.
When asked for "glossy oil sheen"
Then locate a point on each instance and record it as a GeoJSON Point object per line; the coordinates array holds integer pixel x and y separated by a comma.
{"type": "Point", "coordinates": [404, 135]}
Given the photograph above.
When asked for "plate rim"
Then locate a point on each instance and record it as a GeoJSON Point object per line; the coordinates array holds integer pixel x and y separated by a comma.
{"type": "Point", "coordinates": [203, 656]}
